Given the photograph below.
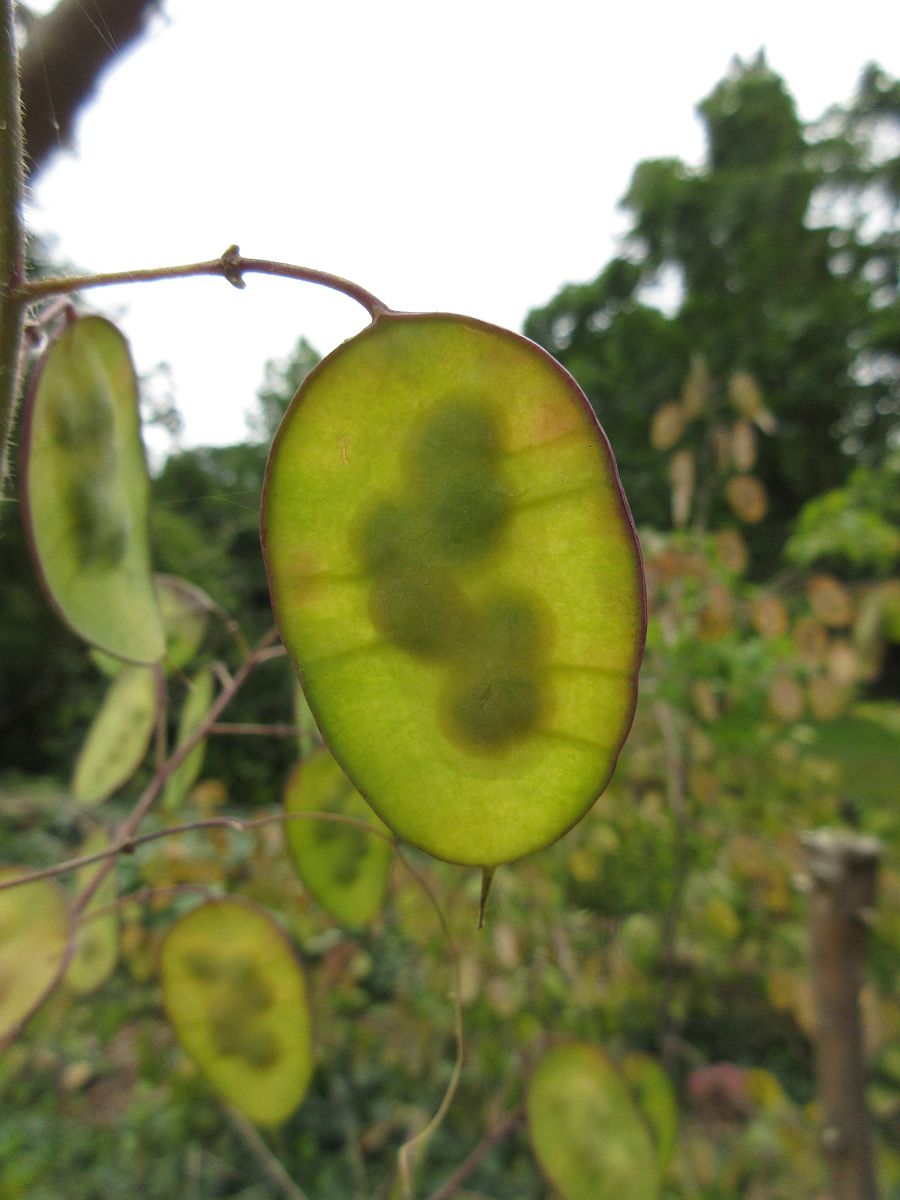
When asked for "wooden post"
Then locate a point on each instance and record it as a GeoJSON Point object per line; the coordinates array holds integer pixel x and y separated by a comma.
{"type": "Point", "coordinates": [843, 869]}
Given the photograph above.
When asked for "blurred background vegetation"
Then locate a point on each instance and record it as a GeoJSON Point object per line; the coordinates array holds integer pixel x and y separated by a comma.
{"type": "Point", "coordinates": [742, 353]}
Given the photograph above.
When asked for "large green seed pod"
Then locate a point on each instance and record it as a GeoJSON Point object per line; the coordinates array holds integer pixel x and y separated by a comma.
{"type": "Point", "coordinates": [236, 995]}
{"type": "Point", "coordinates": [456, 576]}
{"type": "Point", "coordinates": [118, 737]}
{"type": "Point", "coordinates": [85, 491]}
{"type": "Point", "coordinates": [656, 1099]}
{"type": "Point", "coordinates": [97, 939]}
{"type": "Point", "coordinates": [588, 1136]}
{"type": "Point", "coordinates": [34, 929]}
{"type": "Point", "coordinates": [344, 867]}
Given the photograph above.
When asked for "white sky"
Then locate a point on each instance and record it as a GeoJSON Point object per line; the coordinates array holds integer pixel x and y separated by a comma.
{"type": "Point", "coordinates": [461, 156]}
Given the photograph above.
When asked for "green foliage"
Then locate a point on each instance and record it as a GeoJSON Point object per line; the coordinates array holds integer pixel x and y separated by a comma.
{"type": "Point", "coordinates": [856, 527]}
{"type": "Point", "coordinates": [765, 272]}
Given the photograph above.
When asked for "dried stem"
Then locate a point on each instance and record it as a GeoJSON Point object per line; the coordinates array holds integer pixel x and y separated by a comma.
{"type": "Point", "coordinates": [843, 872]}
{"type": "Point", "coordinates": [235, 824]}
{"type": "Point", "coordinates": [231, 265]}
{"type": "Point", "coordinates": [162, 705]}
{"type": "Point", "coordinates": [270, 1163]}
{"type": "Point", "coordinates": [250, 730]}
{"type": "Point", "coordinates": [676, 789]}
{"type": "Point", "coordinates": [511, 1121]}
{"type": "Point", "coordinates": [418, 1142]}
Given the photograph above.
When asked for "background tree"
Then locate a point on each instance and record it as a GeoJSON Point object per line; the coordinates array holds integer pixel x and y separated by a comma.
{"type": "Point", "coordinates": [775, 257]}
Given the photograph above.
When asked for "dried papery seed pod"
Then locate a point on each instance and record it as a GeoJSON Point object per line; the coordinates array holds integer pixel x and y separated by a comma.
{"type": "Point", "coordinates": [431, 473]}
{"type": "Point", "coordinates": [717, 613]}
{"type": "Point", "coordinates": [695, 393]}
{"type": "Point", "coordinates": [769, 616]}
{"type": "Point", "coordinates": [746, 398]}
{"type": "Point", "coordinates": [731, 550]}
{"type": "Point", "coordinates": [681, 477]}
{"type": "Point", "coordinates": [830, 601]}
{"type": "Point", "coordinates": [744, 394]}
{"type": "Point", "coordinates": [669, 423]}
{"type": "Point", "coordinates": [811, 640]}
{"type": "Point", "coordinates": [828, 699]}
{"type": "Point", "coordinates": [743, 445]}
{"type": "Point", "coordinates": [843, 662]}
{"type": "Point", "coordinates": [747, 498]}
{"type": "Point", "coordinates": [786, 700]}
{"type": "Point", "coordinates": [705, 700]}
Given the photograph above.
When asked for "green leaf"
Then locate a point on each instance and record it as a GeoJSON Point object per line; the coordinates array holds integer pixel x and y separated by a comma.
{"type": "Point", "coordinates": [345, 868]}
{"type": "Point", "coordinates": [655, 1097]}
{"type": "Point", "coordinates": [456, 576]}
{"type": "Point", "coordinates": [197, 704]}
{"type": "Point", "coordinates": [118, 738]}
{"type": "Point", "coordinates": [85, 491]}
{"type": "Point", "coordinates": [34, 927]}
{"type": "Point", "coordinates": [587, 1135]}
{"type": "Point", "coordinates": [185, 613]}
{"type": "Point", "coordinates": [236, 996]}
{"type": "Point", "coordinates": [97, 939]}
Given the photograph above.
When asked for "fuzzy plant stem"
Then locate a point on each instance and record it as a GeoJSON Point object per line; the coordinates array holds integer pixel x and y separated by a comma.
{"type": "Point", "coordinates": [12, 236]}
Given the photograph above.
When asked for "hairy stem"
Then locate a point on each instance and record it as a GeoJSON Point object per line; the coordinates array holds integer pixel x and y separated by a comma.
{"type": "Point", "coordinates": [231, 265]}
{"type": "Point", "coordinates": [12, 236]}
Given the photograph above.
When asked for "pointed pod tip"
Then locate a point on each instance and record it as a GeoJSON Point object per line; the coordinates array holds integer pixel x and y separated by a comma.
{"type": "Point", "coordinates": [487, 878]}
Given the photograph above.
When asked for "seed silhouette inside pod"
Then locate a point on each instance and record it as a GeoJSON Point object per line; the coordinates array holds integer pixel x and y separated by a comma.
{"type": "Point", "coordinates": [456, 576]}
